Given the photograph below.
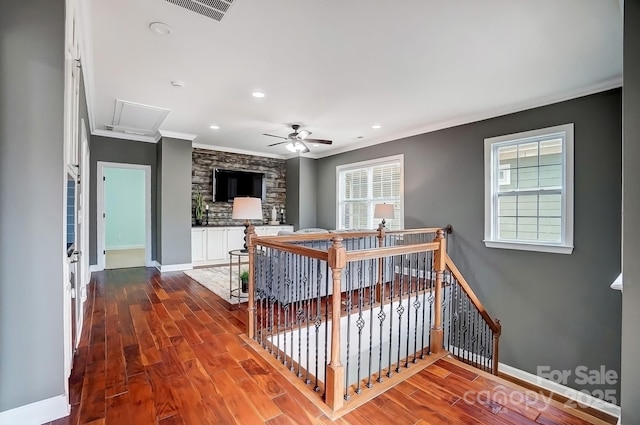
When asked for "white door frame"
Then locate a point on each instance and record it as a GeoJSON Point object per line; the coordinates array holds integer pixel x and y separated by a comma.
{"type": "Point", "coordinates": [85, 180]}
{"type": "Point", "coordinates": [100, 246]}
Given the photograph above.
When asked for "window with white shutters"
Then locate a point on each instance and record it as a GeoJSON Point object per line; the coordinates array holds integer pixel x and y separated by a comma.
{"type": "Point", "coordinates": [362, 185]}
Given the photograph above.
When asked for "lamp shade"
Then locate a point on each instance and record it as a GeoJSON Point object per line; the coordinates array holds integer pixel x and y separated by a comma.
{"type": "Point", "coordinates": [247, 209]}
{"type": "Point", "coordinates": [383, 211]}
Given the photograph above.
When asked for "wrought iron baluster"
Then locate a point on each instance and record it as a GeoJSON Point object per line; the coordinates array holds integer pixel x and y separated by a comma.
{"type": "Point", "coordinates": [359, 323]}
{"type": "Point", "coordinates": [318, 320]}
{"type": "Point", "coordinates": [349, 270]}
{"type": "Point", "coordinates": [391, 296]}
{"type": "Point", "coordinates": [372, 280]}
{"type": "Point", "coordinates": [307, 284]}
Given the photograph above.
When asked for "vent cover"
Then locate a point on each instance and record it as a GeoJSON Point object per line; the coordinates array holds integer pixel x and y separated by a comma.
{"type": "Point", "coordinates": [214, 9]}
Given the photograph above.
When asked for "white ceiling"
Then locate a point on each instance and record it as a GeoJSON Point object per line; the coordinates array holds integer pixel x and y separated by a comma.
{"type": "Point", "coordinates": [339, 66]}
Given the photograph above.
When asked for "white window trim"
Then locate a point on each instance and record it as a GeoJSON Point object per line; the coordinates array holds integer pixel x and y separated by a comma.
{"type": "Point", "coordinates": [369, 163]}
{"type": "Point", "coordinates": [566, 245]}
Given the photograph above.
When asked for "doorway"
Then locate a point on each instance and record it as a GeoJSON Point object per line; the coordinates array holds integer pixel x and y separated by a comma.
{"type": "Point", "coordinates": [124, 215]}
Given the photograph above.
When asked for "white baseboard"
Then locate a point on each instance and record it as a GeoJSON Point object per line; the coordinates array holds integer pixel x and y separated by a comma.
{"type": "Point", "coordinates": [123, 247]}
{"type": "Point", "coordinates": [37, 413]}
{"type": "Point", "coordinates": [571, 393]}
{"type": "Point", "coordinates": [173, 267]}
{"type": "Point", "coordinates": [94, 268]}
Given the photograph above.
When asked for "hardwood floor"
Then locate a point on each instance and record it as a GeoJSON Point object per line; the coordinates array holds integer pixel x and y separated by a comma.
{"type": "Point", "coordinates": [161, 349]}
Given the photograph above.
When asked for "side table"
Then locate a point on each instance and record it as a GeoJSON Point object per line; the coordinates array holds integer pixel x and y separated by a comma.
{"type": "Point", "coordinates": [237, 291]}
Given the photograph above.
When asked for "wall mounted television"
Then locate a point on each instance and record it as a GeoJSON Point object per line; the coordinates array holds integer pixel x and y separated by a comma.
{"type": "Point", "coordinates": [227, 184]}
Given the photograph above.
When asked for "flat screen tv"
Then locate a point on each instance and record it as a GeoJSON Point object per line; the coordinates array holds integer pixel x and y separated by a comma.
{"type": "Point", "coordinates": [227, 184]}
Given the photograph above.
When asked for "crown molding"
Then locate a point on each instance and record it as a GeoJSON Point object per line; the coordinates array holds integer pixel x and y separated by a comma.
{"type": "Point", "coordinates": [487, 114]}
{"type": "Point", "coordinates": [177, 135]}
{"type": "Point", "coordinates": [85, 41]}
{"type": "Point", "coordinates": [236, 150]}
{"type": "Point", "coordinates": [124, 136]}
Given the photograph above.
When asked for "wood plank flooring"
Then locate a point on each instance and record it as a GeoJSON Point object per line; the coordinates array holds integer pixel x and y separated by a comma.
{"type": "Point", "coordinates": [161, 349]}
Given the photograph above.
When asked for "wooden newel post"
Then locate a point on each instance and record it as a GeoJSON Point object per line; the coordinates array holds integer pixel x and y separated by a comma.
{"type": "Point", "coordinates": [251, 301]}
{"type": "Point", "coordinates": [437, 332]}
{"type": "Point", "coordinates": [381, 236]}
{"type": "Point", "coordinates": [496, 351]}
{"type": "Point", "coordinates": [334, 385]}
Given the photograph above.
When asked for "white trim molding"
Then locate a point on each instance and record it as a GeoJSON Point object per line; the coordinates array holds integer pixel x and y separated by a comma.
{"type": "Point", "coordinates": [617, 284]}
{"type": "Point", "coordinates": [602, 86]}
{"type": "Point", "coordinates": [37, 413]}
{"type": "Point", "coordinates": [240, 151]}
{"type": "Point", "coordinates": [173, 267]}
{"type": "Point", "coordinates": [124, 136]}
{"type": "Point", "coordinates": [571, 393]}
{"type": "Point", "coordinates": [177, 135]}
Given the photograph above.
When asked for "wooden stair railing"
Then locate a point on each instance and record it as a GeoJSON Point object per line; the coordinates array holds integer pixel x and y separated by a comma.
{"type": "Point", "coordinates": [494, 325]}
{"type": "Point", "coordinates": [435, 280]}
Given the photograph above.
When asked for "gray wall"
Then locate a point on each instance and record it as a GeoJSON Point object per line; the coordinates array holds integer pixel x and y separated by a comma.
{"type": "Point", "coordinates": [122, 151]}
{"type": "Point", "coordinates": [556, 310]}
{"type": "Point", "coordinates": [631, 218]}
{"type": "Point", "coordinates": [301, 192]}
{"type": "Point", "coordinates": [308, 184]}
{"type": "Point", "coordinates": [32, 188]}
{"type": "Point", "coordinates": [292, 208]}
{"type": "Point", "coordinates": [174, 185]}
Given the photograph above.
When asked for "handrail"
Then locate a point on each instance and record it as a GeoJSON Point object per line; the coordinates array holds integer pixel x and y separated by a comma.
{"type": "Point", "coordinates": [293, 249]}
{"type": "Point", "coordinates": [493, 325]}
{"type": "Point", "coordinates": [298, 237]}
{"type": "Point", "coordinates": [366, 254]}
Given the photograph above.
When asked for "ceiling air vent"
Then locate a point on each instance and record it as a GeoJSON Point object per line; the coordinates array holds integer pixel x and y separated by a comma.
{"type": "Point", "coordinates": [214, 9]}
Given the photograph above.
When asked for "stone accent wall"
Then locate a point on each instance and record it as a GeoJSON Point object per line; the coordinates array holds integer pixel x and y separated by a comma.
{"type": "Point", "coordinates": [204, 161]}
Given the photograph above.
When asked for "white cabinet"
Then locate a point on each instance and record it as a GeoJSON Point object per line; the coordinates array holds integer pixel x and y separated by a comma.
{"type": "Point", "coordinates": [235, 238]}
{"type": "Point", "coordinates": [211, 245]}
{"type": "Point", "coordinates": [216, 244]}
{"type": "Point", "coordinates": [272, 230]}
{"type": "Point", "coordinates": [198, 244]}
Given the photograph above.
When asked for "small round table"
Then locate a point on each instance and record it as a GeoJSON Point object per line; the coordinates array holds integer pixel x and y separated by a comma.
{"type": "Point", "coordinates": [237, 292]}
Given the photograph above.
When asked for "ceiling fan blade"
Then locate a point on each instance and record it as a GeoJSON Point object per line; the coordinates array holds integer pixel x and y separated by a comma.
{"type": "Point", "coordinates": [276, 144]}
{"type": "Point", "coordinates": [273, 135]}
{"type": "Point", "coordinates": [303, 134]}
{"type": "Point", "coordinates": [306, 148]}
{"type": "Point", "coordinates": [320, 141]}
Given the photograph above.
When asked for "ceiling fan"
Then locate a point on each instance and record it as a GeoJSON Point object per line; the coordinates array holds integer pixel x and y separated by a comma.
{"type": "Point", "coordinates": [295, 142]}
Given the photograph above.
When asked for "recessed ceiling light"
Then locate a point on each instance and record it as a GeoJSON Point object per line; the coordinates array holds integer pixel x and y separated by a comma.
{"type": "Point", "coordinates": [316, 144]}
{"type": "Point", "coordinates": [177, 84]}
{"type": "Point", "coordinates": [160, 28]}
{"type": "Point", "coordinates": [214, 127]}
{"type": "Point", "coordinates": [376, 126]}
{"type": "Point", "coordinates": [257, 94]}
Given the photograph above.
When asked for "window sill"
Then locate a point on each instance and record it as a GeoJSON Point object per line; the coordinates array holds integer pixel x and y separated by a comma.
{"type": "Point", "coordinates": [554, 249]}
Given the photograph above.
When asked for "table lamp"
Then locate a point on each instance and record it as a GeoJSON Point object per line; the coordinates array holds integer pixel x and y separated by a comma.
{"type": "Point", "coordinates": [383, 211]}
{"type": "Point", "coordinates": [246, 209]}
